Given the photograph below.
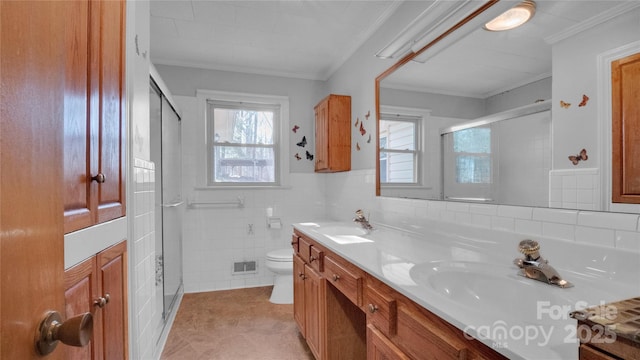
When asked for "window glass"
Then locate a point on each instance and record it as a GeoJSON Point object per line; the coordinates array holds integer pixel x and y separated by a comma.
{"type": "Point", "coordinates": [399, 150]}
{"type": "Point", "coordinates": [473, 155]}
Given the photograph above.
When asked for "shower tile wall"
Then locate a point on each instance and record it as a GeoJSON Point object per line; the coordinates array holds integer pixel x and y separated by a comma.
{"type": "Point", "coordinates": [216, 237]}
{"type": "Point", "coordinates": [144, 252]}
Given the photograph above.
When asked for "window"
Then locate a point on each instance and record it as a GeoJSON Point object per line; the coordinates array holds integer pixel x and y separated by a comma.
{"type": "Point", "coordinates": [244, 140]}
{"type": "Point", "coordinates": [472, 148]}
{"type": "Point", "coordinates": [399, 149]}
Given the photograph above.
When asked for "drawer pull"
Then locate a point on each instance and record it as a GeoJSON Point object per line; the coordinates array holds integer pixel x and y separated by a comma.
{"type": "Point", "coordinates": [301, 275]}
{"type": "Point", "coordinates": [336, 277]}
{"type": "Point", "coordinates": [102, 301]}
{"type": "Point", "coordinates": [372, 308]}
{"type": "Point", "coordinates": [312, 258]}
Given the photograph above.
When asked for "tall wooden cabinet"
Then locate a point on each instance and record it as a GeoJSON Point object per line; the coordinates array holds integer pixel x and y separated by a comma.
{"type": "Point", "coordinates": [94, 106]}
{"type": "Point", "coordinates": [99, 285]}
{"type": "Point", "coordinates": [333, 134]}
{"type": "Point", "coordinates": [625, 86]}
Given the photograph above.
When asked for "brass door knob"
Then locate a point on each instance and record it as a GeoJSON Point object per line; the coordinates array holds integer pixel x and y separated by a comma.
{"type": "Point", "coordinates": [336, 277]}
{"type": "Point", "coordinates": [76, 331]}
{"type": "Point", "coordinates": [312, 259]}
{"type": "Point", "coordinates": [102, 301]}
{"type": "Point", "coordinates": [372, 308]}
{"type": "Point", "coordinates": [99, 178]}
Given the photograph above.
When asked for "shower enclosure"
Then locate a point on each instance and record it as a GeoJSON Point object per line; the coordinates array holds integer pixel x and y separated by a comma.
{"type": "Point", "coordinates": [166, 153]}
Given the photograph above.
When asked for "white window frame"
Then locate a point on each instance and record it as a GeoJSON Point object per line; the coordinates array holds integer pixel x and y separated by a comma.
{"type": "Point", "coordinates": [281, 138]}
{"type": "Point", "coordinates": [422, 158]}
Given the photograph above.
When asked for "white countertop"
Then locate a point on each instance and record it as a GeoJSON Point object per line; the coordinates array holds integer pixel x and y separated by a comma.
{"type": "Point", "coordinates": [465, 275]}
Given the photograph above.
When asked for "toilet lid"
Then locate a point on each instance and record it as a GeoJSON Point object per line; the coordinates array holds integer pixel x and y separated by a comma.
{"type": "Point", "coordinates": [280, 255]}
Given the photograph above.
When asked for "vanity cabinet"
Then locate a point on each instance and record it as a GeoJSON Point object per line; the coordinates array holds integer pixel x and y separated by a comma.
{"type": "Point", "coordinates": [333, 134]}
{"type": "Point", "coordinates": [94, 110]}
{"type": "Point", "coordinates": [98, 285]}
{"type": "Point", "coordinates": [360, 317]}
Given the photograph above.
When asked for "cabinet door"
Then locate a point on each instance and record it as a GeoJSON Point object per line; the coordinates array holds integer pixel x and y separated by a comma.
{"type": "Point", "coordinates": [112, 265]}
{"type": "Point", "coordinates": [110, 92]}
{"type": "Point", "coordinates": [625, 86]}
{"type": "Point", "coordinates": [381, 348]}
{"type": "Point", "coordinates": [298, 294]}
{"type": "Point", "coordinates": [78, 213]}
{"type": "Point", "coordinates": [81, 290]}
{"type": "Point", "coordinates": [313, 310]}
{"type": "Point", "coordinates": [322, 134]}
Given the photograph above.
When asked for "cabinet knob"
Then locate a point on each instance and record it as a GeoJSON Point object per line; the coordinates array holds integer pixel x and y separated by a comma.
{"type": "Point", "coordinates": [102, 301]}
{"type": "Point", "coordinates": [301, 275]}
{"type": "Point", "coordinates": [372, 308]}
{"type": "Point", "coordinates": [336, 277]}
{"type": "Point", "coordinates": [76, 331]}
{"type": "Point", "coordinates": [99, 178]}
{"type": "Point", "coordinates": [312, 259]}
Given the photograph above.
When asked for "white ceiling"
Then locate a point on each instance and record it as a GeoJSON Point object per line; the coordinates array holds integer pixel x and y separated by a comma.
{"type": "Point", "coordinates": [486, 63]}
{"type": "Point", "coordinates": [306, 39]}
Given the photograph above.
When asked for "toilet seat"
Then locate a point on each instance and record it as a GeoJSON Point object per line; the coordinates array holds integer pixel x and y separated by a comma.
{"type": "Point", "coordinates": [281, 255]}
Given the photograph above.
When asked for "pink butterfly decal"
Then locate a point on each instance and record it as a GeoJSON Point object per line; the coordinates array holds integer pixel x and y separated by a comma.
{"type": "Point", "coordinates": [295, 128]}
{"type": "Point", "coordinates": [297, 156]}
{"type": "Point", "coordinates": [362, 130]}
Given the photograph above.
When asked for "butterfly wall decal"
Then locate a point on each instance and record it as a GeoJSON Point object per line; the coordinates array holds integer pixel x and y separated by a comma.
{"type": "Point", "coordinates": [297, 156]}
{"type": "Point", "coordinates": [369, 139]}
{"type": "Point", "coordinates": [303, 143]}
{"type": "Point", "coordinates": [564, 105]}
{"type": "Point", "coordinates": [295, 128]}
{"type": "Point", "coordinates": [367, 115]}
{"type": "Point", "coordinates": [309, 156]}
{"type": "Point", "coordinates": [358, 146]}
{"type": "Point", "coordinates": [582, 156]}
{"type": "Point", "coordinates": [584, 101]}
{"type": "Point", "coordinates": [357, 122]}
{"type": "Point", "coordinates": [362, 130]}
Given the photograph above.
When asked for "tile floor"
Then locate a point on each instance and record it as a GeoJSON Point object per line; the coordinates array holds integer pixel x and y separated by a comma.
{"type": "Point", "coordinates": [234, 324]}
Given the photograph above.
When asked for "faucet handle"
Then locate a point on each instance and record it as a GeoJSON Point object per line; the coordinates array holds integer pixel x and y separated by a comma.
{"type": "Point", "coordinates": [529, 248]}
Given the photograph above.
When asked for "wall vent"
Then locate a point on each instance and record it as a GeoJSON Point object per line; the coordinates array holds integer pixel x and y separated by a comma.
{"type": "Point", "coordinates": [244, 267]}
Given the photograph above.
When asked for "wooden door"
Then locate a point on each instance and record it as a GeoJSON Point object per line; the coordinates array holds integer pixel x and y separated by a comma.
{"type": "Point", "coordinates": [81, 291]}
{"type": "Point", "coordinates": [112, 263]}
{"type": "Point", "coordinates": [322, 134]}
{"type": "Point", "coordinates": [31, 124]}
{"type": "Point", "coordinates": [298, 294]}
{"type": "Point", "coordinates": [625, 86]}
{"type": "Point", "coordinates": [381, 348]}
{"type": "Point", "coordinates": [313, 311]}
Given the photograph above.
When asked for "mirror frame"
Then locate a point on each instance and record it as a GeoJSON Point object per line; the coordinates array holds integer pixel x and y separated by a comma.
{"type": "Point", "coordinates": [405, 59]}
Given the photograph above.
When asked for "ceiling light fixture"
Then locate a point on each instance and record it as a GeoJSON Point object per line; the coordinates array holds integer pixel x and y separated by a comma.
{"type": "Point", "coordinates": [512, 18]}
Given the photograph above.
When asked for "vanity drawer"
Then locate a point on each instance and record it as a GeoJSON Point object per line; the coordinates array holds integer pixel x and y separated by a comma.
{"type": "Point", "coordinates": [345, 278]}
{"type": "Point", "coordinates": [316, 259]}
{"type": "Point", "coordinates": [381, 311]}
{"type": "Point", "coordinates": [304, 248]}
{"type": "Point", "coordinates": [420, 333]}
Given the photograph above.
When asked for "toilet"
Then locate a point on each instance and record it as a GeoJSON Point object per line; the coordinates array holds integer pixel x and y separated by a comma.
{"type": "Point", "coordinates": [280, 262]}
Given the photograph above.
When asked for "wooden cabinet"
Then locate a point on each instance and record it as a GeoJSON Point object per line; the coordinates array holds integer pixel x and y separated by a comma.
{"type": "Point", "coordinates": [94, 111]}
{"type": "Point", "coordinates": [625, 86]}
{"type": "Point", "coordinates": [360, 317]}
{"type": "Point", "coordinates": [98, 285]}
{"type": "Point", "coordinates": [333, 134]}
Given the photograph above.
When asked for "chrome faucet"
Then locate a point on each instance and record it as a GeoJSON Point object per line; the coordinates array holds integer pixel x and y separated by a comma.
{"type": "Point", "coordinates": [533, 266]}
{"type": "Point", "coordinates": [362, 220]}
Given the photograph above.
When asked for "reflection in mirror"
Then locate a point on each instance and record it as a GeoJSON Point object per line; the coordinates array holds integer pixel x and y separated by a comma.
{"type": "Point", "coordinates": [480, 116]}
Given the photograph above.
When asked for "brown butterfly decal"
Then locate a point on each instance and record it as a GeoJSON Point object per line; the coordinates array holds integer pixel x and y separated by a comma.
{"type": "Point", "coordinates": [358, 146]}
{"type": "Point", "coordinates": [582, 156]}
{"type": "Point", "coordinates": [367, 115]}
{"type": "Point", "coordinates": [564, 105]}
{"type": "Point", "coordinates": [357, 122]}
{"type": "Point", "coordinates": [295, 128]}
{"type": "Point", "coordinates": [362, 130]}
{"type": "Point", "coordinates": [584, 101]}
{"type": "Point", "coordinates": [298, 156]}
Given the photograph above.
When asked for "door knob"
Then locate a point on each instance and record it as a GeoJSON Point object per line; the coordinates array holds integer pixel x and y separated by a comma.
{"type": "Point", "coordinates": [76, 331]}
{"type": "Point", "coordinates": [100, 178]}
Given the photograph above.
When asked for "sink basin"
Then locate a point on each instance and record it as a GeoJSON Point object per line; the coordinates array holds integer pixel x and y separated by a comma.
{"type": "Point", "coordinates": [481, 287]}
{"type": "Point", "coordinates": [341, 230]}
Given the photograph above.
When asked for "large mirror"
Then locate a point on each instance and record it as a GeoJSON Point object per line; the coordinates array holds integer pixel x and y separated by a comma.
{"type": "Point", "coordinates": [514, 117]}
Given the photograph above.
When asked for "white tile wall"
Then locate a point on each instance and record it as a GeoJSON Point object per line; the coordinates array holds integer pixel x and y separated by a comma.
{"type": "Point", "coordinates": [347, 192]}
{"type": "Point", "coordinates": [216, 237]}
{"type": "Point", "coordinates": [575, 189]}
{"type": "Point", "coordinates": [145, 312]}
